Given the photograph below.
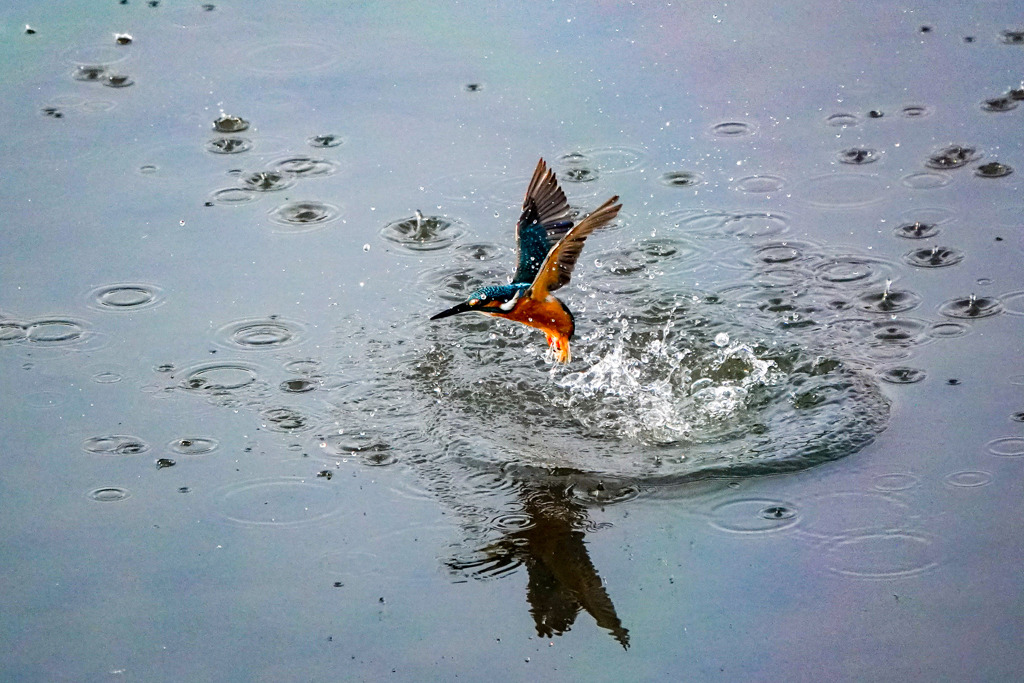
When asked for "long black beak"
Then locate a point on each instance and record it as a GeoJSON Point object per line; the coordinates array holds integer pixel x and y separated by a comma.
{"type": "Point", "coordinates": [461, 308]}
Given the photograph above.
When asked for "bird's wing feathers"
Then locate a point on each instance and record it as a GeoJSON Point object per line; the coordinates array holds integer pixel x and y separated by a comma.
{"type": "Point", "coordinates": [557, 267]}
{"type": "Point", "coordinates": [544, 221]}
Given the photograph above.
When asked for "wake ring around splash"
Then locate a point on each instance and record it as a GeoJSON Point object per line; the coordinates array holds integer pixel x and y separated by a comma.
{"type": "Point", "coordinates": [684, 389]}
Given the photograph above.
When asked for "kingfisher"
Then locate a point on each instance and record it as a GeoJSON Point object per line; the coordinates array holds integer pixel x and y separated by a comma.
{"type": "Point", "coordinates": [548, 246]}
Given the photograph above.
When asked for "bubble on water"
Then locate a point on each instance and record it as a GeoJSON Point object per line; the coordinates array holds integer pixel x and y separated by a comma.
{"type": "Point", "coordinates": [303, 216]}
{"type": "Point", "coordinates": [420, 233]}
{"type": "Point", "coordinates": [277, 502]}
{"type": "Point", "coordinates": [993, 169]}
{"type": "Point", "coordinates": [859, 155]}
{"type": "Point", "coordinates": [732, 129]}
{"type": "Point", "coordinates": [917, 230]}
{"type": "Point", "coordinates": [325, 140]}
{"type": "Point", "coordinates": [193, 445]}
{"type": "Point", "coordinates": [229, 145]}
{"type": "Point", "coordinates": [126, 297]}
{"type": "Point", "coordinates": [925, 180]}
{"type": "Point", "coordinates": [304, 167]}
{"type": "Point", "coordinates": [298, 386]}
{"type": "Point", "coordinates": [753, 516]}
{"type": "Point", "coordinates": [163, 463]}
{"type": "Point", "coordinates": [116, 80]}
{"type": "Point", "coordinates": [260, 333]}
{"type": "Point", "coordinates": [109, 494]}
{"type": "Point", "coordinates": [681, 179]}
{"type": "Point", "coordinates": [882, 555]}
{"type": "Point", "coordinates": [118, 444]}
{"type": "Point", "coordinates": [230, 124]}
{"type": "Point", "coordinates": [934, 257]}
{"type": "Point", "coordinates": [953, 156]}
{"type": "Point", "coordinates": [760, 184]}
{"type": "Point", "coordinates": [902, 375]}
{"type": "Point", "coordinates": [968, 479]}
{"type": "Point", "coordinates": [971, 307]}
{"type": "Point", "coordinates": [840, 190]}
{"type": "Point", "coordinates": [1010, 446]}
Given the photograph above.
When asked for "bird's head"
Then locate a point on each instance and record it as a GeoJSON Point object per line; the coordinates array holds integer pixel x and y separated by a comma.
{"type": "Point", "coordinates": [489, 300]}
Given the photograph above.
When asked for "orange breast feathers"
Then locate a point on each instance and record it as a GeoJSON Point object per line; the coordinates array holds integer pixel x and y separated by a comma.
{"type": "Point", "coordinates": [548, 315]}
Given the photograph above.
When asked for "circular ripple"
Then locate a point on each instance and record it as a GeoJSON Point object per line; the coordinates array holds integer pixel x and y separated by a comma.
{"type": "Point", "coordinates": [902, 375]}
{"type": "Point", "coordinates": [1012, 301]}
{"type": "Point", "coordinates": [760, 184]}
{"type": "Point", "coordinates": [896, 481]}
{"type": "Point", "coordinates": [284, 502]}
{"type": "Point", "coordinates": [889, 301]}
{"type": "Point", "coordinates": [842, 120]}
{"type": "Point", "coordinates": [947, 330]}
{"type": "Point", "coordinates": [755, 225]}
{"type": "Point", "coordinates": [109, 494]}
{"type": "Point", "coordinates": [605, 159]}
{"type": "Point", "coordinates": [1010, 446]}
{"type": "Point", "coordinates": [351, 443]}
{"type": "Point", "coordinates": [94, 54]}
{"type": "Point", "coordinates": [681, 179]}
{"type": "Point", "coordinates": [284, 419]}
{"type": "Point", "coordinates": [12, 332]}
{"type": "Point", "coordinates": [833, 515]}
{"type": "Point", "coordinates": [732, 129]}
{"type": "Point", "coordinates": [289, 58]}
{"type": "Point", "coordinates": [917, 230]}
{"type": "Point", "coordinates": [601, 493]}
{"type": "Point", "coordinates": [859, 155]}
{"type": "Point", "coordinates": [115, 445]}
{"type": "Point", "coordinates": [953, 156]}
{"type": "Point", "coordinates": [260, 333]}
{"type": "Point", "coordinates": [936, 257]}
{"type": "Point", "coordinates": [753, 516]}
{"type": "Point", "coordinates": [999, 104]}
{"type": "Point", "coordinates": [840, 190]}
{"type": "Point", "coordinates": [304, 167]}
{"type": "Point", "coordinates": [915, 111]}
{"type": "Point", "coordinates": [220, 377]}
{"type": "Point", "coordinates": [304, 216]}
{"type": "Point", "coordinates": [925, 181]}
{"type": "Point", "coordinates": [887, 555]}
{"type": "Point", "coordinates": [844, 269]}
{"type": "Point", "coordinates": [233, 196]}
{"type": "Point", "coordinates": [126, 297]}
{"type": "Point", "coordinates": [968, 479]}
{"type": "Point", "coordinates": [193, 445]}
{"type": "Point", "coordinates": [267, 181]}
{"type": "Point", "coordinates": [971, 307]}
{"type": "Point", "coordinates": [421, 233]}
{"type": "Point", "coordinates": [54, 332]}
{"type": "Point", "coordinates": [229, 145]}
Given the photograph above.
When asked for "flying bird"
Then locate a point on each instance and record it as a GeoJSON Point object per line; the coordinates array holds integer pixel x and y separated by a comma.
{"type": "Point", "coordinates": [548, 246]}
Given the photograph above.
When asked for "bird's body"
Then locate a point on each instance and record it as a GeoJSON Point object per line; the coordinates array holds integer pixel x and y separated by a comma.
{"type": "Point", "coordinates": [549, 246]}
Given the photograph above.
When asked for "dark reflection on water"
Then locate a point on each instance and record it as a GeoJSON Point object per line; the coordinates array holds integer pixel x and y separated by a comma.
{"type": "Point", "coordinates": [548, 539]}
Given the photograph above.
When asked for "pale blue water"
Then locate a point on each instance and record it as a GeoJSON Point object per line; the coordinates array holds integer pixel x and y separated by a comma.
{"type": "Point", "coordinates": [260, 319]}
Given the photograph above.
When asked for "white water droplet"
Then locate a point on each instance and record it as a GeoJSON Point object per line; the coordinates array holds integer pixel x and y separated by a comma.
{"type": "Point", "coordinates": [722, 339]}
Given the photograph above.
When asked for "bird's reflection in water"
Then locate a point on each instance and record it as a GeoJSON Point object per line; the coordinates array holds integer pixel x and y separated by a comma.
{"type": "Point", "coordinates": [552, 547]}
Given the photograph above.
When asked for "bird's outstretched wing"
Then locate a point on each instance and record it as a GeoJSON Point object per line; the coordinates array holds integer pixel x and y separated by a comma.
{"type": "Point", "coordinates": [557, 267]}
{"type": "Point", "coordinates": [544, 221]}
